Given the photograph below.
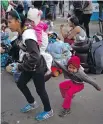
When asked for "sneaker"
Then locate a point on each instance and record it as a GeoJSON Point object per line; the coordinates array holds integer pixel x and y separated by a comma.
{"type": "Point", "coordinates": [44, 115]}
{"type": "Point", "coordinates": [64, 112]}
{"type": "Point", "coordinates": [29, 107]}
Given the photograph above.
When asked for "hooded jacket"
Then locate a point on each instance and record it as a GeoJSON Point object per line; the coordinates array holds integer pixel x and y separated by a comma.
{"type": "Point", "coordinates": [78, 77]}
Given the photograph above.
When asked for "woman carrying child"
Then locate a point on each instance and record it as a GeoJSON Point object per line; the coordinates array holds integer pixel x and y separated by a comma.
{"type": "Point", "coordinates": [33, 66]}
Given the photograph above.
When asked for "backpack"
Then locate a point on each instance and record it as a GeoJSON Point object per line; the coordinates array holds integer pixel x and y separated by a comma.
{"type": "Point", "coordinates": [95, 57]}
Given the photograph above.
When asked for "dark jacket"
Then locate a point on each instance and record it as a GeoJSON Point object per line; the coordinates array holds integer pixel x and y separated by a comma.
{"type": "Point", "coordinates": [32, 60]}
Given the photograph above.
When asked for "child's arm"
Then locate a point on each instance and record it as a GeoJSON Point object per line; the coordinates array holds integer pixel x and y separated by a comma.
{"type": "Point", "coordinates": [89, 80]}
{"type": "Point", "coordinates": [38, 29]}
{"type": "Point", "coordinates": [73, 33]}
{"type": "Point", "coordinates": [61, 66]}
{"type": "Point", "coordinates": [39, 36]}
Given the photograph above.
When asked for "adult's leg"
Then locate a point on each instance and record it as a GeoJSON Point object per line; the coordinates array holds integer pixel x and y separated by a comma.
{"type": "Point", "coordinates": [38, 79]}
{"type": "Point", "coordinates": [44, 12]}
{"type": "Point", "coordinates": [78, 14]}
{"type": "Point", "coordinates": [100, 10]}
{"type": "Point", "coordinates": [81, 21]}
{"type": "Point", "coordinates": [86, 21]}
{"type": "Point", "coordinates": [22, 85]}
{"type": "Point", "coordinates": [54, 12]}
{"type": "Point", "coordinates": [74, 88]}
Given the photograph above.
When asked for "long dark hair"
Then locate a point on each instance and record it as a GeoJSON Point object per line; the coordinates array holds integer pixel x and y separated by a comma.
{"type": "Point", "coordinates": [74, 20]}
{"type": "Point", "coordinates": [18, 16]}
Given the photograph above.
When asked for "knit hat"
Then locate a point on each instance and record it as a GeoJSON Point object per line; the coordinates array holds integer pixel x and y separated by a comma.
{"type": "Point", "coordinates": [74, 61]}
{"type": "Point", "coordinates": [34, 15]}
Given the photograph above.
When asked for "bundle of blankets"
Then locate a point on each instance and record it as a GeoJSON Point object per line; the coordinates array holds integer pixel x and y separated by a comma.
{"type": "Point", "coordinates": [60, 51]}
{"type": "Point", "coordinates": [5, 44]}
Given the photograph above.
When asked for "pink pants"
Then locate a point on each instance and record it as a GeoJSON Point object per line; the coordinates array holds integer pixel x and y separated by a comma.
{"type": "Point", "coordinates": [68, 89]}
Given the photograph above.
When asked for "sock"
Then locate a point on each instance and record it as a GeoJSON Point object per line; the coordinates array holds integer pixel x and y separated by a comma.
{"type": "Point", "coordinates": [33, 104]}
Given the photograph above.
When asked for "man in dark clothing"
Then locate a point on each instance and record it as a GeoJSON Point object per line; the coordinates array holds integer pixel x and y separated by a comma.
{"type": "Point", "coordinates": [61, 8]}
{"type": "Point", "coordinates": [100, 8]}
{"type": "Point", "coordinates": [52, 6]}
{"type": "Point", "coordinates": [37, 4]}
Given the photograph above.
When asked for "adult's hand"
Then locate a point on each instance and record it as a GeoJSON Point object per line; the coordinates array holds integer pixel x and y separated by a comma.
{"type": "Point", "coordinates": [2, 50]}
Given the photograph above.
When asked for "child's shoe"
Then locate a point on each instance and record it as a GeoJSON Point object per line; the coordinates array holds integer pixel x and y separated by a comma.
{"type": "Point", "coordinates": [64, 112]}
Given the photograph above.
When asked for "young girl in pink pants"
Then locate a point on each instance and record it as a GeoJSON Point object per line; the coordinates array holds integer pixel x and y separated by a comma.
{"type": "Point", "coordinates": [75, 84]}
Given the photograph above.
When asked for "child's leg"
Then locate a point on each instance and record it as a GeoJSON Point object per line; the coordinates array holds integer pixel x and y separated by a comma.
{"type": "Point", "coordinates": [69, 94]}
{"type": "Point", "coordinates": [64, 86]}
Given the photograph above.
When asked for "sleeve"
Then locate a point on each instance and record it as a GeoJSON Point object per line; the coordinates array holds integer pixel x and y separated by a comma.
{"type": "Point", "coordinates": [33, 56]}
{"type": "Point", "coordinates": [86, 3]}
{"type": "Point", "coordinates": [89, 80]}
{"type": "Point", "coordinates": [39, 34]}
{"type": "Point", "coordinates": [45, 26]}
{"type": "Point", "coordinates": [60, 66]}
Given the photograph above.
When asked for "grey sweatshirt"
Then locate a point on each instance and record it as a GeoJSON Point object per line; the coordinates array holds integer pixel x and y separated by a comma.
{"type": "Point", "coordinates": [89, 8]}
{"type": "Point", "coordinates": [78, 77]}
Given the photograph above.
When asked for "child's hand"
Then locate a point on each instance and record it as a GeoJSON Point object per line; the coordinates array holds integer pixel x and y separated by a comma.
{"type": "Point", "coordinates": [61, 26]}
{"type": "Point", "coordinates": [46, 6]}
{"type": "Point", "coordinates": [14, 67]}
{"type": "Point", "coordinates": [98, 88]}
{"type": "Point", "coordinates": [39, 43]}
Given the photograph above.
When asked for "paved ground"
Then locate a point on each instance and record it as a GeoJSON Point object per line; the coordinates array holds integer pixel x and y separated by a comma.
{"type": "Point", "coordinates": [87, 106]}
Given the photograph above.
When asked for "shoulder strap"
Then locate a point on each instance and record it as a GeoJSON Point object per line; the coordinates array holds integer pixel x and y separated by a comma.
{"type": "Point", "coordinates": [26, 27]}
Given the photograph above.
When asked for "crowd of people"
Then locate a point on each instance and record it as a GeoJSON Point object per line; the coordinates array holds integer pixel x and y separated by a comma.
{"type": "Point", "coordinates": [28, 55]}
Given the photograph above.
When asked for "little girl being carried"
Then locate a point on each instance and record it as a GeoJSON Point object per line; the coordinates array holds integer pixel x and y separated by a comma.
{"type": "Point", "coordinates": [40, 27]}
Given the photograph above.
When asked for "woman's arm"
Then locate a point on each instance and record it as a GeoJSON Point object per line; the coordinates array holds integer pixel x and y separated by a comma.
{"type": "Point", "coordinates": [64, 35]}
{"type": "Point", "coordinates": [73, 33]}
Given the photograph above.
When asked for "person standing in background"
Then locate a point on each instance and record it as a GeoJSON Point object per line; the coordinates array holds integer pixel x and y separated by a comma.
{"type": "Point", "coordinates": [27, 4]}
{"type": "Point", "coordinates": [4, 7]}
{"type": "Point", "coordinates": [52, 6]}
{"type": "Point", "coordinates": [44, 8]}
{"type": "Point", "coordinates": [37, 4]}
{"type": "Point", "coordinates": [87, 13]}
{"type": "Point", "coordinates": [100, 8]}
{"type": "Point", "coordinates": [55, 4]}
{"type": "Point", "coordinates": [61, 11]}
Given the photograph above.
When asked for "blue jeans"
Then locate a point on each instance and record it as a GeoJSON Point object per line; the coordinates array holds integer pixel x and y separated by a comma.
{"type": "Point", "coordinates": [44, 12]}
{"type": "Point", "coordinates": [53, 11]}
